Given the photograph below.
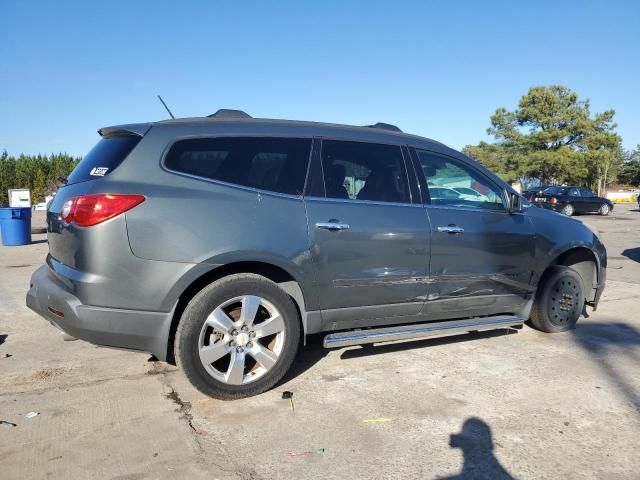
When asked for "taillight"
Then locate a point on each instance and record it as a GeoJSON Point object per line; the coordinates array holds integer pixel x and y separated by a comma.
{"type": "Point", "coordinates": [89, 210]}
{"type": "Point", "coordinates": [553, 200]}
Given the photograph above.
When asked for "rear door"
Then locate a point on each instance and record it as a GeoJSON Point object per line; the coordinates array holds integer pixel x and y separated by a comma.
{"type": "Point", "coordinates": [481, 255]}
{"type": "Point", "coordinates": [369, 237]}
{"type": "Point", "coordinates": [574, 197]}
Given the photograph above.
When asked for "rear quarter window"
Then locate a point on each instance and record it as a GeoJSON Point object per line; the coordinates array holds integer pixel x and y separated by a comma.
{"type": "Point", "coordinates": [104, 158]}
{"type": "Point", "coordinates": [272, 164]}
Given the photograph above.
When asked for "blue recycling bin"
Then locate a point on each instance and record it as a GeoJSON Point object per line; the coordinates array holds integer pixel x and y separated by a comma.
{"type": "Point", "coordinates": [15, 226]}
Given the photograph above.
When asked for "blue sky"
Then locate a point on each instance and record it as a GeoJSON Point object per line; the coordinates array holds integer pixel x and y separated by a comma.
{"type": "Point", "coordinates": [437, 69]}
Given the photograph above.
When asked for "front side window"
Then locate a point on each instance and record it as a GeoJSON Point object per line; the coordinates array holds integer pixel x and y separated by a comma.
{"type": "Point", "coordinates": [573, 192]}
{"type": "Point", "coordinates": [454, 184]}
{"type": "Point", "coordinates": [273, 164]}
{"type": "Point", "coordinates": [586, 193]}
{"type": "Point", "coordinates": [364, 171]}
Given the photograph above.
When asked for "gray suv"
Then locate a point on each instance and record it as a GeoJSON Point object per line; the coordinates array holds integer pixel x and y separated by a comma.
{"type": "Point", "coordinates": [220, 243]}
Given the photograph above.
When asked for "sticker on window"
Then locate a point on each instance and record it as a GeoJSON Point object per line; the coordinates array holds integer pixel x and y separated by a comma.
{"type": "Point", "coordinates": [99, 171]}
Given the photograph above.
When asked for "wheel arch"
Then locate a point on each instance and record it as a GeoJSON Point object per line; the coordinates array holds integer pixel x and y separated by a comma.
{"type": "Point", "coordinates": [584, 261]}
{"type": "Point", "coordinates": [275, 273]}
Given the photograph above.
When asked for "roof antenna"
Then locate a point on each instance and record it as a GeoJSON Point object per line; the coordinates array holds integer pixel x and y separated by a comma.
{"type": "Point", "coordinates": [165, 106]}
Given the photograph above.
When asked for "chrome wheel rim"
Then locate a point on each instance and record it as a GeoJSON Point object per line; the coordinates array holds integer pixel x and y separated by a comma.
{"type": "Point", "coordinates": [604, 209]}
{"type": "Point", "coordinates": [241, 340]}
{"type": "Point", "coordinates": [567, 210]}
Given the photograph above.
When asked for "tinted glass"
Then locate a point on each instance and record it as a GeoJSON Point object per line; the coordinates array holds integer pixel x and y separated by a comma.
{"type": "Point", "coordinates": [364, 171]}
{"type": "Point", "coordinates": [454, 184]}
{"type": "Point", "coordinates": [556, 191]}
{"type": "Point", "coordinates": [274, 164]}
{"type": "Point", "coordinates": [574, 192]}
{"type": "Point", "coordinates": [586, 193]}
{"type": "Point", "coordinates": [103, 158]}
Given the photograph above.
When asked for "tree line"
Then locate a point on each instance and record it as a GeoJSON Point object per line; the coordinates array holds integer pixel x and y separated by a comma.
{"type": "Point", "coordinates": [39, 173]}
{"type": "Point", "coordinates": [553, 138]}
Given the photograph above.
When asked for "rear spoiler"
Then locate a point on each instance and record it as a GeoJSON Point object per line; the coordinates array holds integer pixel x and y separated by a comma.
{"type": "Point", "coordinates": [134, 129]}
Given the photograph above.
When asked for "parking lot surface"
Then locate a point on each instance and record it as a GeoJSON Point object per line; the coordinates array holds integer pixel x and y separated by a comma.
{"type": "Point", "coordinates": [505, 404]}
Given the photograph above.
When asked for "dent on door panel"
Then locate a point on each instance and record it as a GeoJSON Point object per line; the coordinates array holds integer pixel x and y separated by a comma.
{"type": "Point", "coordinates": [487, 266]}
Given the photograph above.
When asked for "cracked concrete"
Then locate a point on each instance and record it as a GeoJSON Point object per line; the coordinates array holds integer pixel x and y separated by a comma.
{"type": "Point", "coordinates": [523, 405]}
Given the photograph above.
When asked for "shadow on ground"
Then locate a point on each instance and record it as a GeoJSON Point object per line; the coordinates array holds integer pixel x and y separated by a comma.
{"type": "Point", "coordinates": [379, 349]}
{"type": "Point", "coordinates": [632, 254]}
{"type": "Point", "coordinates": [2, 338]}
{"type": "Point", "coordinates": [306, 358]}
{"type": "Point", "coordinates": [313, 351]}
{"type": "Point", "coordinates": [476, 442]}
{"type": "Point", "coordinates": [598, 339]}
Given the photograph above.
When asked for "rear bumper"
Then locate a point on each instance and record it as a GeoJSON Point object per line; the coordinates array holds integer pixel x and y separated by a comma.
{"type": "Point", "coordinates": [111, 327]}
{"type": "Point", "coordinates": [557, 207]}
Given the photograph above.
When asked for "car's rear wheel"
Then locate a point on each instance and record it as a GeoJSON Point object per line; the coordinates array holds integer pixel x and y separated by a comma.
{"type": "Point", "coordinates": [604, 209]}
{"type": "Point", "coordinates": [567, 210]}
{"type": "Point", "coordinates": [237, 337]}
{"type": "Point", "coordinates": [559, 300]}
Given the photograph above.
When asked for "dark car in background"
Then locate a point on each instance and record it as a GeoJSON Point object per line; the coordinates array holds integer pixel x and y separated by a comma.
{"type": "Point", "coordinates": [220, 243]}
{"type": "Point", "coordinates": [530, 193]}
{"type": "Point", "coordinates": [570, 200]}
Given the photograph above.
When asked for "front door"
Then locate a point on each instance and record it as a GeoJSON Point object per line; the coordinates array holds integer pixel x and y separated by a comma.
{"type": "Point", "coordinates": [481, 255]}
{"type": "Point", "coordinates": [369, 242]}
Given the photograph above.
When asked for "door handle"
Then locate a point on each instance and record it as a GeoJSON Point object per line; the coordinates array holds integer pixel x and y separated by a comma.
{"type": "Point", "coordinates": [451, 229]}
{"type": "Point", "coordinates": [332, 226]}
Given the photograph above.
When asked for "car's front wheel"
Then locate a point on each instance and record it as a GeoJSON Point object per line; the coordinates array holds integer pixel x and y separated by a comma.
{"type": "Point", "coordinates": [604, 209]}
{"type": "Point", "coordinates": [567, 210]}
{"type": "Point", "coordinates": [237, 337]}
{"type": "Point", "coordinates": [559, 300]}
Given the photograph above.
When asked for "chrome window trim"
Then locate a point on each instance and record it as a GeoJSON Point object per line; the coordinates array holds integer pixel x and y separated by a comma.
{"type": "Point", "coordinates": [361, 202]}
{"type": "Point", "coordinates": [469, 209]}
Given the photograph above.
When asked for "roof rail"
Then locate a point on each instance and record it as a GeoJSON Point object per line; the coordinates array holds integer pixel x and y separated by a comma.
{"type": "Point", "coordinates": [385, 126]}
{"type": "Point", "coordinates": [229, 113]}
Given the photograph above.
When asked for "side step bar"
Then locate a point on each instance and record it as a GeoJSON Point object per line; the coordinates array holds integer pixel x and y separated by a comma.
{"type": "Point", "coordinates": [417, 331]}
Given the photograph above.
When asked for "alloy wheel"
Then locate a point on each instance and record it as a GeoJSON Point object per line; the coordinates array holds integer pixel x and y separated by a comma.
{"type": "Point", "coordinates": [241, 340]}
{"type": "Point", "coordinates": [568, 210]}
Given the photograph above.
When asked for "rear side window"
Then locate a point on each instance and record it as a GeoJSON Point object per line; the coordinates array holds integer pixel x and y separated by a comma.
{"type": "Point", "coordinates": [103, 158]}
{"type": "Point", "coordinates": [273, 164]}
{"type": "Point", "coordinates": [364, 171]}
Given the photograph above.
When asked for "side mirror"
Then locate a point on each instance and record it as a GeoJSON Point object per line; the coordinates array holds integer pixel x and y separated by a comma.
{"type": "Point", "coordinates": [516, 202]}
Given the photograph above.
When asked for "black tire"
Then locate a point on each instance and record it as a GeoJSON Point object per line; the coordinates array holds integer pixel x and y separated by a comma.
{"type": "Point", "coordinates": [559, 300]}
{"type": "Point", "coordinates": [195, 314]}
{"type": "Point", "coordinates": [604, 210]}
{"type": "Point", "coordinates": [568, 210]}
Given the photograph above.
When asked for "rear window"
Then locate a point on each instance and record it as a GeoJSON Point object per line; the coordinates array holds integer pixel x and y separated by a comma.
{"type": "Point", "coordinates": [273, 164]}
{"type": "Point", "coordinates": [103, 158]}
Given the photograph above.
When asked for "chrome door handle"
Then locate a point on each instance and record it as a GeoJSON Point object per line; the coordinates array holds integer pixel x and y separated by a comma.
{"type": "Point", "coordinates": [332, 226]}
{"type": "Point", "coordinates": [451, 229]}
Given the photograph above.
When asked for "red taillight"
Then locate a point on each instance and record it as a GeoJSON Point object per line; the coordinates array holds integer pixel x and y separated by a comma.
{"type": "Point", "coordinates": [553, 200]}
{"type": "Point", "coordinates": [89, 210]}
{"type": "Point", "coordinates": [57, 313]}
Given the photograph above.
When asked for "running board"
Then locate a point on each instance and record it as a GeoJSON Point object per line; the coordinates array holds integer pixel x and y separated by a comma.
{"type": "Point", "coordinates": [417, 331]}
